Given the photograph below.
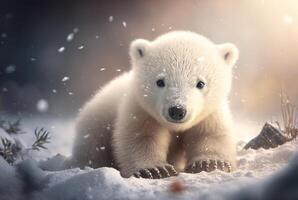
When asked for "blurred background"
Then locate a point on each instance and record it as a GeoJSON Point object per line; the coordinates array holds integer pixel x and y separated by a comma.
{"type": "Point", "coordinates": [55, 54]}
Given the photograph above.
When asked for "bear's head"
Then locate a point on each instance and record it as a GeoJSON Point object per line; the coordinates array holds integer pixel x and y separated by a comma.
{"type": "Point", "coordinates": [181, 77]}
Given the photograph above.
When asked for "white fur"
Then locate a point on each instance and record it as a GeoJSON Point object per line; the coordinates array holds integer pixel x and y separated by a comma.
{"type": "Point", "coordinates": [141, 134]}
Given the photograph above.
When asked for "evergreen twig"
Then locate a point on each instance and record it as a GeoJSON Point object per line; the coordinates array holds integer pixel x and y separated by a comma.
{"type": "Point", "coordinates": [9, 151]}
{"type": "Point", "coordinates": [41, 138]}
{"type": "Point", "coordinates": [11, 127]}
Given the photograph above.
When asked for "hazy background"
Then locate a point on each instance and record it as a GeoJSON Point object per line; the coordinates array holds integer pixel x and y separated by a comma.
{"type": "Point", "coordinates": [55, 54]}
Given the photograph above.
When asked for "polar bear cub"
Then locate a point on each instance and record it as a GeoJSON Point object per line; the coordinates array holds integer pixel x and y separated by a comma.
{"type": "Point", "coordinates": [170, 113]}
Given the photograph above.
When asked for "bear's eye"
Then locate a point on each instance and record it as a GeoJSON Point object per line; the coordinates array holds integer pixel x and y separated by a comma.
{"type": "Point", "coordinates": [200, 85]}
{"type": "Point", "coordinates": [160, 83]}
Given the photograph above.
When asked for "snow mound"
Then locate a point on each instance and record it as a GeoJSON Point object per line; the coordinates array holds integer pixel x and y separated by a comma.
{"type": "Point", "coordinates": [251, 181]}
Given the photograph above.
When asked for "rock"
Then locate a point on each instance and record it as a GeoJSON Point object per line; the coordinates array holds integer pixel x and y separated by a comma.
{"type": "Point", "coordinates": [270, 137]}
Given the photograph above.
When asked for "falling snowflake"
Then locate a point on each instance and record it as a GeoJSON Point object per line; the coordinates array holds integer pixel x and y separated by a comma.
{"type": "Point", "coordinates": [111, 18]}
{"type": "Point", "coordinates": [61, 49]}
{"type": "Point", "coordinates": [288, 19]}
{"type": "Point", "coordinates": [102, 148]}
{"type": "Point", "coordinates": [124, 24]}
{"type": "Point", "coordinates": [70, 37]}
{"type": "Point", "coordinates": [153, 29]}
{"type": "Point", "coordinates": [3, 35]}
{"type": "Point", "coordinates": [10, 69]}
{"type": "Point", "coordinates": [54, 91]}
{"type": "Point", "coordinates": [80, 47]}
{"type": "Point", "coordinates": [86, 136]}
{"type": "Point", "coordinates": [65, 78]}
{"type": "Point", "coordinates": [118, 70]}
{"type": "Point", "coordinates": [96, 36]}
{"type": "Point", "coordinates": [42, 105]}
{"type": "Point", "coordinates": [70, 93]}
{"type": "Point", "coordinates": [102, 69]}
{"type": "Point", "coordinates": [75, 30]}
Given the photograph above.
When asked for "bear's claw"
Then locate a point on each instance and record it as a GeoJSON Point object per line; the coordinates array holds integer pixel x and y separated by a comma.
{"type": "Point", "coordinates": [208, 166]}
{"type": "Point", "coordinates": [156, 172]}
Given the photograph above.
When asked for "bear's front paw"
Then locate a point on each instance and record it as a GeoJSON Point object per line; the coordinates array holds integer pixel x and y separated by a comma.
{"type": "Point", "coordinates": [156, 172]}
{"type": "Point", "coordinates": [208, 166]}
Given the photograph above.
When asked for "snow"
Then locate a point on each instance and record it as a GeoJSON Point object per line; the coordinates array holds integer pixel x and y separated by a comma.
{"type": "Point", "coordinates": [102, 148]}
{"type": "Point", "coordinates": [81, 47]}
{"type": "Point", "coordinates": [288, 19]}
{"type": "Point", "coordinates": [10, 69]}
{"type": "Point", "coordinates": [124, 24]}
{"type": "Point", "coordinates": [42, 105]}
{"type": "Point", "coordinates": [261, 174]}
{"type": "Point", "coordinates": [11, 188]}
{"type": "Point", "coordinates": [70, 37]}
{"type": "Point", "coordinates": [61, 49]}
{"type": "Point", "coordinates": [3, 35]}
{"type": "Point", "coordinates": [76, 30]}
{"type": "Point", "coordinates": [65, 78]}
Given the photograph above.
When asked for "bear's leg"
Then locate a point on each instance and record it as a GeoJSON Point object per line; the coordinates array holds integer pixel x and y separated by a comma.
{"type": "Point", "coordinates": [92, 146]}
{"type": "Point", "coordinates": [176, 153]}
{"type": "Point", "coordinates": [209, 148]}
{"type": "Point", "coordinates": [141, 145]}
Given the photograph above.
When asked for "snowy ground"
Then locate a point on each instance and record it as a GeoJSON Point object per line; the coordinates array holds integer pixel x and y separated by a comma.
{"type": "Point", "coordinates": [252, 180]}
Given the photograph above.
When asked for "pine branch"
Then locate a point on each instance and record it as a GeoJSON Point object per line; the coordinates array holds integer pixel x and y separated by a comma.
{"type": "Point", "coordinates": [11, 127]}
{"type": "Point", "coordinates": [41, 138]}
{"type": "Point", "coordinates": [9, 151]}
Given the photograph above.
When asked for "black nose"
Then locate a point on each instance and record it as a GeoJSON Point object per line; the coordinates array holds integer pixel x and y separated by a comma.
{"type": "Point", "coordinates": [177, 112]}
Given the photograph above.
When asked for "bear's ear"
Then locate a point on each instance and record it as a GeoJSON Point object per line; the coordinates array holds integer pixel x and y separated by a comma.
{"type": "Point", "coordinates": [139, 48]}
{"type": "Point", "coordinates": [229, 53]}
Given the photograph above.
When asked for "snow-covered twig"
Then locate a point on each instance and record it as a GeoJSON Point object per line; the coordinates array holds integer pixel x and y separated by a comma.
{"type": "Point", "coordinates": [41, 138]}
{"type": "Point", "coordinates": [11, 151]}
{"type": "Point", "coordinates": [289, 114]}
{"type": "Point", "coordinates": [11, 127]}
